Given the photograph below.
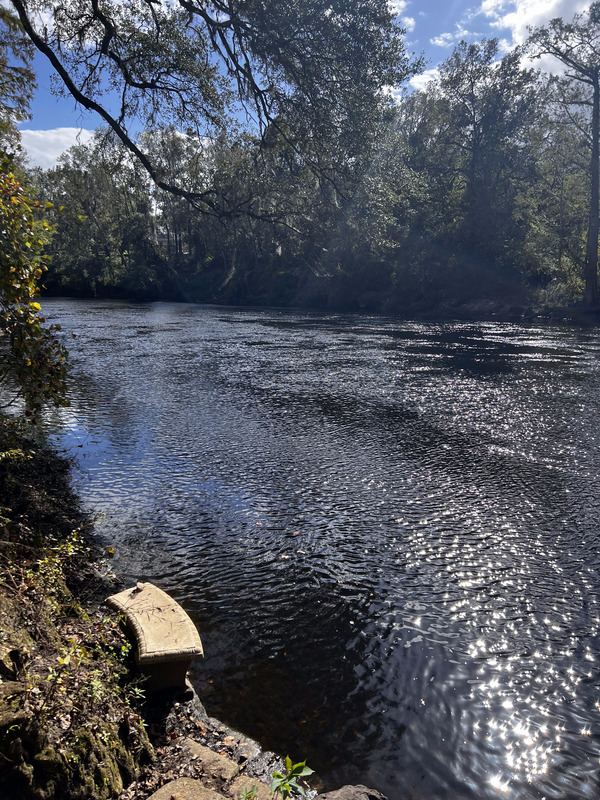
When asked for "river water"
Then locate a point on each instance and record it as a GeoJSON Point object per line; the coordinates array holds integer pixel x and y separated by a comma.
{"type": "Point", "coordinates": [387, 532]}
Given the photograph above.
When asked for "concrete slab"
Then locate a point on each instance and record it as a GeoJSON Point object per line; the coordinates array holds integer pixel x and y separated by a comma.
{"type": "Point", "coordinates": [213, 764]}
{"type": "Point", "coordinates": [186, 789]}
{"type": "Point", "coordinates": [166, 637]}
{"type": "Point", "coordinates": [162, 628]}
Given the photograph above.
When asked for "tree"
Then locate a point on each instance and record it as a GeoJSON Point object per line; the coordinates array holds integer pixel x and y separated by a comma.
{"type": "Point", "coordinates": [17, 80]}
{"type": "Point", "coordinates": [31, 354]}
{"type": "Point", "coordinates": [491, 106]}
{"type": "Point", "coordinates": [559, 198]}
{"type": "Point", "coordinates": [468, 140]}
{"type": "Point", "coordinates": [577, 45]}
{"type": "Point", "coordinates": [195, 64]}
{"type": "Point", "coordinates": [104, 241]}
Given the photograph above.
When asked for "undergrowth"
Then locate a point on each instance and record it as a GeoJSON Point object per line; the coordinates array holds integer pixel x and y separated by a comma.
{"type": "Point", "coordinates": [69, 721]}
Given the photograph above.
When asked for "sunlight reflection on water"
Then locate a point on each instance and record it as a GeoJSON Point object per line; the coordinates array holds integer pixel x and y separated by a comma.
{"type": "Point", "coordinates": [387, 531]}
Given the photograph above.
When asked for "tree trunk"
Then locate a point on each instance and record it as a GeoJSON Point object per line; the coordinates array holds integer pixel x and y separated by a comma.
{"type": "Point", "coordinates": [591, 256]}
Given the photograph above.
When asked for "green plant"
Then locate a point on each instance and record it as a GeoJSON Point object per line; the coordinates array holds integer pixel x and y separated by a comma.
{"type": "Point", "coordinates": [249, 794]}
{"type": "Point", "coordinates": [33, 355]}
{"type": "Point", "coordinates": [286, 784]}
{"type": "Point", "coordinates": [14, 455]}
{"type": "Point", "coordinates": [134, 694]}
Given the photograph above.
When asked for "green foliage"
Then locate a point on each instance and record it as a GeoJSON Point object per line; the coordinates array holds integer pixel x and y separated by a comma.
{"type": "Point", "coordinates": [475, 188]}
{"type": "Point", "coordinates": [489, 108]}
{"type": "Point", "coordinates": [286, 784]}
{"type": "Point", "coordinates": [317, 69]}
{"type": "Point", "coordinates": [575, 44]}
{"type": "Point", "coordinates": [248, 794]}
{"type": "Point", "coordinates": [104, 239]}
{"type": "Point", "coordinates": [32, 354]}
{"type": "Point", "coordinates": [17, 80]}
{"type": "Point", "coordinates": [13, 455]}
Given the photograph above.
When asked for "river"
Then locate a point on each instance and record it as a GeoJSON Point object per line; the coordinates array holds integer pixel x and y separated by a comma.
{"type": "Point", "coordinates": [387, 532]}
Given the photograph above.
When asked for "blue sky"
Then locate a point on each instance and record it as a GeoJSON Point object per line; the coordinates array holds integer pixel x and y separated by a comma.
{"type": "Point", "coordinates": [433, 28]}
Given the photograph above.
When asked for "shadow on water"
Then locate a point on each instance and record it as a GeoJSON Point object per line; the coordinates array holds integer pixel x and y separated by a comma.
{"type": "Point", "coordinates": [400, 430]}
{"type": "Point", "coordinates": [280, 695]}
{"type": "Point", "coordinates": [387, 532]}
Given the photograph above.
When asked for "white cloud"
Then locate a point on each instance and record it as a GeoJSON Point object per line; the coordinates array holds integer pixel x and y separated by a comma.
{"type": "Point", "coordinates": [450, 39]}
{"type": "Point", "coordinates": [443, 40]}
{"type": "Point", "coordinates": [420, 81]}
{"type": "Point", "coordinates": [397, 7]}
{"type": "Point", "coordinates": [517, 15]}
{"type": "Point", "coordinates": [44, 147]}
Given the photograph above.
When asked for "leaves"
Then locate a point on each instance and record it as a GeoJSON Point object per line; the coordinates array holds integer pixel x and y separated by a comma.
{"type": "Point", "coordinates": [34, 356]}
{"type": "Point", "coordinates": [321, 67]}
{"type": "Point", "coordinates": [286, 785]}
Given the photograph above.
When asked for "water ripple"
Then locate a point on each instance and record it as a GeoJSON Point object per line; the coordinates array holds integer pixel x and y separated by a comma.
{"type": "Point", "coordinates": [386, 531]}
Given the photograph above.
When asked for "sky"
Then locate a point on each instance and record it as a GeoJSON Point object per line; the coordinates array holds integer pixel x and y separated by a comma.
{"type": "Point", "coordinates": [433, 28]}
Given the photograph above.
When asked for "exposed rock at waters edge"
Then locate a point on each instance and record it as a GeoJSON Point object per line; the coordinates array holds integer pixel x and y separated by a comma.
{"type": "Point", "coordinates": [353, 793]}
{"type": "Point", "coordinates": [200, 758]}
{"type": "Point", "coordinates": [191, 746]}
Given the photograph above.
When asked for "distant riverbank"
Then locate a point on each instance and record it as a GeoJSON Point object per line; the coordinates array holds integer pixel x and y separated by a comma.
{"type": "Point", "coordinates": [522, 309]}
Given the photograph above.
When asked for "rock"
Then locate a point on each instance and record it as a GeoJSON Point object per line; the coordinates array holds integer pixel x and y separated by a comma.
{"type": "Point", "coordinates": [185, 789]}
{"type": "Point", "coordinates": [245, 782]}
{"type": "Point", "coordinates": [7, 667]}
{"type": "Point", "coordinates": [353, 793]}
{"type": "Point", "coordinates": [213, 764]}
{"type": "Point", "coordinates": [11, 688]}
{"type": "Point", "coordinates": [12, 714]}
{"type": "Point", "coordinates": [258, 762]}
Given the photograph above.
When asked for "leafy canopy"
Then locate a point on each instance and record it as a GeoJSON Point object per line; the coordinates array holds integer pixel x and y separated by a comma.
{"type": "Point", "coordinates": [30, 355]}
{"type": "Point", "coordinates": [195, 64]}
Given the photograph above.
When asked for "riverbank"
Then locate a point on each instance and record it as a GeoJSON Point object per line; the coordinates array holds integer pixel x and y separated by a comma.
{"type": "Point", "coordinates": [75, 722]}
{"type": "Point", "coordinates": [74, 718]}
{"type": "Point", "coordinates": [475, 311]}
{"type": "Point", "coordinates": [70, 701]}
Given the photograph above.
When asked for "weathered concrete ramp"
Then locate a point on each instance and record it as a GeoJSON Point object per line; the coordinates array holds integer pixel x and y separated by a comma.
{"type": "Point", "coordinates": [166, 638]}
{"type": "Point", "coordinates": [185, 789]}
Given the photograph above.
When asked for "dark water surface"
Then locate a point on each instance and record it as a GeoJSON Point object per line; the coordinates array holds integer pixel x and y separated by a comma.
{"type": "Point", "coordinates": [387, 532]}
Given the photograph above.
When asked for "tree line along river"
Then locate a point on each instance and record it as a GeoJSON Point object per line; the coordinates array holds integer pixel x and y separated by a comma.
{"type": "Point", "coordinates": [387, 532]}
